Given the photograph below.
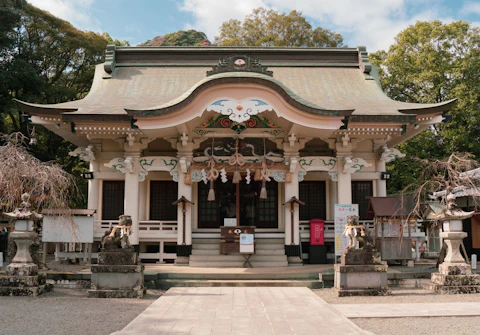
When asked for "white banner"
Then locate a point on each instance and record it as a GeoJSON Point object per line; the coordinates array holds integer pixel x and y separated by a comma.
{"type": "Point", "coordinates": [341, 213]}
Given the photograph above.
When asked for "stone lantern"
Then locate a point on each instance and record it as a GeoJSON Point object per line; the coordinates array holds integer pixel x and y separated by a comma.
{"type": "Point", "coordinates": [22, 273]}
{"type": "Point", "coordinates": [454, 274]}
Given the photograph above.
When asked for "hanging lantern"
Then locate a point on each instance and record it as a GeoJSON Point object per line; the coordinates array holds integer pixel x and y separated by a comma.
{"type": "Point", "coordinates": [211, 192]}
{"type": "Point", "coordinates": [236, 176]}
{"type": "Point", "coordinates": [263, 191]}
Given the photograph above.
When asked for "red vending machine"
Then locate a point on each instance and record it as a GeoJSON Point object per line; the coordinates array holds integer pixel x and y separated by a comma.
{"type": "Point", "coordinates": [317, 235]}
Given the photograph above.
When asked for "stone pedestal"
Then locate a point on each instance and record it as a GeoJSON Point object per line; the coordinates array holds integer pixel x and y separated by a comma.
{"type": "Point", "coordinates": [22, 277]}
{"type": "Point", "coordinates": [361, 273]}
{"type": "Point", "coordinates": [454, 274]}
{"type": "Point", "coordinates": [117, 275]}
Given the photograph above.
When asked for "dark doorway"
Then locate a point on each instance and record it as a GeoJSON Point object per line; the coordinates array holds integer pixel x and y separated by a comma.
{"type": "Point", "coordinates": [262, 213]}
{"type": "Point", "coordinates": [113, 199]}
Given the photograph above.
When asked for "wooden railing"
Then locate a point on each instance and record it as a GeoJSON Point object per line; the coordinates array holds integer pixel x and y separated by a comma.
{"type": "Point", "coordinates": [147, 229]}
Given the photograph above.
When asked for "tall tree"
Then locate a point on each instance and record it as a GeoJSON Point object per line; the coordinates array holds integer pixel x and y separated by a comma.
{"type": "Point", "coordinates": [44, 59]}
{"type": "Point", "coordinates": [432, 62]}
{"type": "Point", "coordinates": [179, 38]}
{"type": "Point", "coordinates": [268, 28]}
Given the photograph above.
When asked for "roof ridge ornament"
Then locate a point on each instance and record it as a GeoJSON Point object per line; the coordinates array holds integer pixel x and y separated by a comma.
{"type": "Point", "coordinates": [363, 59]}
{"type": "Point", "coordinates": [239, 63]}
{"type": "Point", "coordinates": [109, 64]}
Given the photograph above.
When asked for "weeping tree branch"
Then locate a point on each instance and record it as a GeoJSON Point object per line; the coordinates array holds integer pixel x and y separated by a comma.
{"type": "Point", "coordinates": [49, 186]}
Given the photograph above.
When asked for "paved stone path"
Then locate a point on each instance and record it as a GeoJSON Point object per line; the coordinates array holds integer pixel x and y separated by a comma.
{"type": "Point", "coordinates": [240, 310]}
{"type": "Point", "coordinates": [406, 310]}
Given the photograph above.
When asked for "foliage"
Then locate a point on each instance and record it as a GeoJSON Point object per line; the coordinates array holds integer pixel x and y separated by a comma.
{"type": "Point", "coordinates": [179, 38]}
{"type": "Point", "coordinates": [44, 59]}
{"type": "Point", "coordinates": [267, 28]}
{"type": "Point", "coordinates": [432, 62]}
{"type": "Point", "coordinates": [47, 183]}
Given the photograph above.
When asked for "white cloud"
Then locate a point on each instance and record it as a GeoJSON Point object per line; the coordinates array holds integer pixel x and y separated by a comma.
{"type": "Point", "coordinates": [470, 7]}
{"type": "Point", "coordinates": [77, 12]}
{"type": "Point", "coordinates": [210, 14]}
{"type": "Point", "coordinates": [373, 23]}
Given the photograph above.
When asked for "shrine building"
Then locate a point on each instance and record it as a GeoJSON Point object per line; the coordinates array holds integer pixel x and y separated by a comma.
{"type": "Point", "coordinates": [236, 134]}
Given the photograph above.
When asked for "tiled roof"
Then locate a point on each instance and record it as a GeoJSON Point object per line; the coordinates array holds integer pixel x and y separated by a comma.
{"type": "Point", "coordinates": [151, 89]}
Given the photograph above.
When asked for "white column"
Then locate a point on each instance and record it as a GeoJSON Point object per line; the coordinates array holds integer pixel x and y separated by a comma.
{"type": "Point", "coordinates": [142, 201]}
{"type": "Point", "coordinates": [131, 196]}
{"type": "Point", "coordinates": [381, 184]}
{"type": "Point", "coordinates": [344, 183]}
{"type": "Point", "coordinates": [186, 191]}
{"type": "Point", "coordinates": [94, 189]}
{"type": "Point", "coordinates": [292, 190]}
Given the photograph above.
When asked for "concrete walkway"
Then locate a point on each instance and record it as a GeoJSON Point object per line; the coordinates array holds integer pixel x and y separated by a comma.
{"type": "Point", "coordinates": [408, 310]}
{"type": "Point", "coordinates": [240, 310]}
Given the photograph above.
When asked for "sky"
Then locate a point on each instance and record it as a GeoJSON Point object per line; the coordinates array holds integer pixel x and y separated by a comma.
{"type": "Point", "coordinates": [373, 23]}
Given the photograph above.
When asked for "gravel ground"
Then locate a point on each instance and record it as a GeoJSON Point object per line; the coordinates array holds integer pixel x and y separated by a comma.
{"type": "Point", "coordinates": [467, 325]}
{"type": "Point", "coordinates": [69, 311]}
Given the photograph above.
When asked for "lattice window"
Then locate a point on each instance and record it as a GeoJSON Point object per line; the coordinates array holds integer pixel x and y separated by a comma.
{"type": "Point", "coordinates": [314, 194]}
{"type": "Point", "coordinates": [113, 199]}
{"type": "Point", "coordinates": [267, 212]}
{"type": "Point", "coordinates": [360, 191]}
{"type": "Point", "coordinates": [207, 210]}
{"type": "Point", "coordinates": [162, 195]}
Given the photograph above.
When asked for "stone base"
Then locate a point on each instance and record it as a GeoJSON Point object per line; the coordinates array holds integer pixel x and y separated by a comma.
{"type": "Point", "coordinates": [354, 280]}
{"type": "Point", "coordinates": [182, 260]}
{"type": "Point", "coordinates": [117, 256]}
{"type": "Point", "coordinates": [18, 283]}
{"type": "Point", "coordinates": [366, 256]}
{"type": "Point", "coordinates": [453, 284]}
{"type": "Point", "coordinates": [117, 275]}
{"type": "Point", "coordinates": [361, 292]}
{"type": "Point", "coordinates": [32, 291]}
{"type": "Point", "coordinates": [117, 293]}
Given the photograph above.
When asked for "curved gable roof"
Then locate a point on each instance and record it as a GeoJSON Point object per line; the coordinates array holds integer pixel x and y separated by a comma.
{"type": "Point", "coordinates": [146, 82]}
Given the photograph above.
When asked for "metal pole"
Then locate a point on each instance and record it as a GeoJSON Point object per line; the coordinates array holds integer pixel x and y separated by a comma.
{"type": "Point", "coordinates": [291, 219]}
{"type": "Point", "coordinates": [184, 219]}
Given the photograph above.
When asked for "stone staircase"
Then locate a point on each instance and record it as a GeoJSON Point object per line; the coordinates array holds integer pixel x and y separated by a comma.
{"type": "Point", "coordinates": [269, 252]}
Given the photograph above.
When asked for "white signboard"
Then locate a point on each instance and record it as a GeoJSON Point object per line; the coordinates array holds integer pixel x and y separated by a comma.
{"type": "Point", "coordinates": [341, 213]}
{"type": "Point", "coordinates": [247, 244]}
{"type": "Point", "coordinates": [56, 231]}
{"type": "Point", "coordinates": [228, 222]}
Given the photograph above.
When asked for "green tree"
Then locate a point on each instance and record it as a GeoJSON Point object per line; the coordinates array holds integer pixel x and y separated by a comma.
{"type": "Point", "coordinates": [432, 62]}
{"type": "Point", "coordinates": [44, 59]}
{"type": "Point", "coordinates": [267, 28]}
{"type": "Point", "coordinates": [180, 38]}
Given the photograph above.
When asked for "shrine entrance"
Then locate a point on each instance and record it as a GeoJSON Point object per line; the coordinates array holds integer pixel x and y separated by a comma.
{"type": "Point", "coordinates": [240, 203]}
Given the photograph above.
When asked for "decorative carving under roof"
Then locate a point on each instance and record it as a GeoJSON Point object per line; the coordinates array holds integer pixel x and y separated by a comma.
{"type": "Point", "coordinates": [239, 63]}
{"type": "Point", "coordinates": [239, 110]}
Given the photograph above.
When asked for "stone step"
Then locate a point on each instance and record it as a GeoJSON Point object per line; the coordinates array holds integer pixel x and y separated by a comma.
{"type": "Point", "coordinates": [168, 283]}
{"type": "Point", "coordinates": [208, 246]}
{"type": "Point", "coordinates": [270, 246]}
{"type": "Point", "coordinates": [260, 252]}
{"type": "Point", "coordinates": [237, 257]}
{"type": "Point", "coordinates": [220, 275]}
{"type": "Point", "coordinates": [205, 241]}
{"type": "Point", "coordinates": [236, 264]}
{"type": "Point", "coordinates": [205, 251]}
{"type": "Point", "coordinates": [280, 241]}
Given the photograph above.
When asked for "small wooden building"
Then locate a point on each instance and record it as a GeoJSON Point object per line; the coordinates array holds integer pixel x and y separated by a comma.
{"type": "Point", "coordinates": [395, 228]}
